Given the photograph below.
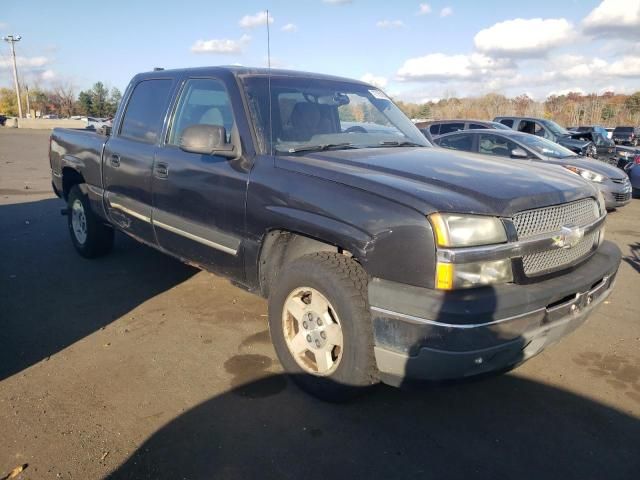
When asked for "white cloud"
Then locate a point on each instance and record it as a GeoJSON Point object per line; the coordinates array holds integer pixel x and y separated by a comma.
{"type": "Point", "coordinates": [379, 82]}
{"type": "Point", "coordinates": [224, 46]}
{"type": "Point", "coordinates": [25, 62]}
{"type": "Point", "coordinates": [390, 24]}
{"type": "Point", "coordinates": [566, 91]}
{"type": "Point", "coordinates": [337, 2]}
{"type": "Point", "coordinates": [628, 66]}
{"type": "Point", "coordinates": [424, 9]}
{"type": "Point", "coordinates": [257, 20]}
{"type": "Point", "coordinates": [48, 75]}
{"type": "Point", "coordinates": [616, 18]}
{"type": "Point", "coordinates": [524, 37]}
{"type": "Point", "coordinates": [439, 66]}
{"type": "Point", "coordinates": [290, 27]}
{"type": "Point", "coordinates": [446, 12]}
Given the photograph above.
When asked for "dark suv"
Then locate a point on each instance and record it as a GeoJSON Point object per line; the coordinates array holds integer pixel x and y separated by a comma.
{"type": "Point", "coordinates": [551, 131]}
{"type": "Point", "coordinates": [626, 136]}
{"type": "Point", "coordinates": [440, 127]}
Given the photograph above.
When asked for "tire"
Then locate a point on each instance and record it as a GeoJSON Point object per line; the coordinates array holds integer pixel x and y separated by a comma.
{"type": "Point", "coordinates": [90, 236]}
{"type": "Point", "coordinates": [635, 193]}
{"type": "Point", "coordinates": [342, 282]}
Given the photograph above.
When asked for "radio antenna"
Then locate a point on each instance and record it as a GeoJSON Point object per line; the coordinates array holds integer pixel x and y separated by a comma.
{"type": "Point", "coordinates": [269, 85]}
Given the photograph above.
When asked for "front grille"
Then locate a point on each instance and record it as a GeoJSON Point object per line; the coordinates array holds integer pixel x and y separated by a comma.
{"type": "Point", "coordinates": [620, 180]}
{"type": "Point", "coordinates": [622, 197]}
{"type": "Point", "coordinates": [551, 219]}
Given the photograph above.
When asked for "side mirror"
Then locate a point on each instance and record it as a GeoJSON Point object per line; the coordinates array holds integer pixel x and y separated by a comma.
{"type": "Point", "coordinates": [519, 153]}
{"type": "Point", "coordinates": [206, 140]}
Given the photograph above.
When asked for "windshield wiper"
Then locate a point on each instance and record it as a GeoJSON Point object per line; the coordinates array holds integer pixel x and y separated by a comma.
{"type": "Point", "coordinates": [396, 143]}
{"type": "Point", "coordinates": [326, 146]}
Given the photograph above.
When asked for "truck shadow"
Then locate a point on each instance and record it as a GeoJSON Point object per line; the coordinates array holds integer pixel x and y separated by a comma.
{"type": "Point", "coordinates": [501, 427]}
{"type": "Point", "coordinates": [634, 258]}
{"type": "Point", "coordinates": [50, 297]}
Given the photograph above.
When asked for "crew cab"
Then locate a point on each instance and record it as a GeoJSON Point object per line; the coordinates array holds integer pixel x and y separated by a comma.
{"type": "Point", "coordinates": [382, 258]}
{"type": "Point", "coordinates": [550, 130]}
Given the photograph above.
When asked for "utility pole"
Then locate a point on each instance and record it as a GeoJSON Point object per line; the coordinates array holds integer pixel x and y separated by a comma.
{"type": "Point", "coordinates": [12, 39]}
{"type": "Point", "coordinates": [26, 87]}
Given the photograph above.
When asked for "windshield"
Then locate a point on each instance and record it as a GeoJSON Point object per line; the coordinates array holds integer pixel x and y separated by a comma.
{"type": "Point", "coordinates": [318, 114]}
{"type": "Point", "coordinates": [555, 128]}
{"type": "Point", "coordinates": [544, 147]}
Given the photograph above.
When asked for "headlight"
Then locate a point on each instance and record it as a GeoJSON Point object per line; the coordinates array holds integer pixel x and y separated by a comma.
{"type": "Point", "coordinates": [465, 275]}
{"type": "Point", "coordinates": [586, 174]}
{"type": "Point", "coordinates": [455, 230]}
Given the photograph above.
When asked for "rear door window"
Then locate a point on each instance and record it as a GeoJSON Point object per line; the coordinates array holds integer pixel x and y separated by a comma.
{"type": "Point", "coordinates": [462, 142]}
{"type": "Point", "coordinates": [477, 125]}
{"type": "Point", "coordinates": [507, 121]}
{"type": "Point", "coordinates": [145, 111]}
{"type": "Point", "coordinates": [451, 127]}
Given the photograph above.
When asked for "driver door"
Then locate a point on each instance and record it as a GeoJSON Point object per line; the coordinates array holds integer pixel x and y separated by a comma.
{"type": "Point", "coordinates": [199, 200]}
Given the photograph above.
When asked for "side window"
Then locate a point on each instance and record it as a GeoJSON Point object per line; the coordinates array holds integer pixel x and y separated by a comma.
{"type": "Point", "coordinates": [457, 142]}
{"type": "Point", "coordinates": [145, 111]}
{"type": "Point", "coordinates": [495, 145]}
{"type": "Point", "coordinates": [507, 121]}
{"type": "Point", "coordinates": [451, 127]}
{"type": "Point", "coordinates": [203, 101]}
{"type": "Point", "coordinates": [540, 131]}
{"type": "Point", "coordinates": [476, 126]}
{"type": "Point", "coordinates": [434, 129]}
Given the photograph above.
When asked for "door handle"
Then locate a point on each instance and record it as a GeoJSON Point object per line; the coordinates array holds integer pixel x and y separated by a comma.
{"type": "Point", "coordinates": [161, 170]}
{"type": "Point", "coordinates": [115, 160]}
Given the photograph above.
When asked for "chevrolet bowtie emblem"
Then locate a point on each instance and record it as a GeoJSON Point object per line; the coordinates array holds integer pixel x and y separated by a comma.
{"type": "Point", "coordinates": [569, 237]}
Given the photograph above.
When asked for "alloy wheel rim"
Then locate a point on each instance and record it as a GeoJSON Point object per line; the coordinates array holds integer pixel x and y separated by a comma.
{"type": "Point", "coordinates": [312, 331]}
{"type": "Point", "coordinates": [79, 222]}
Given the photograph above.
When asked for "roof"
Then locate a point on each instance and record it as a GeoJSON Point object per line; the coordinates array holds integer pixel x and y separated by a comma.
{"type": "Point", "coordinates": [240, 71]}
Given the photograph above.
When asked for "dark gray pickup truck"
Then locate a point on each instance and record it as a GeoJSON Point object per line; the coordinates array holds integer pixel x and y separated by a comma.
{"type": "Point", "coordinates": [382, 257]}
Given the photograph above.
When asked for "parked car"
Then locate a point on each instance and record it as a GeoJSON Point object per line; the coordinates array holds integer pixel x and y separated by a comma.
{"type": "Point", "coordinates": [94, 123]}
{"type": "Point", "coordinates": [3, 120]}
{"type": "Point", "coordinates": [382, 257]}
{"type": "Point", "coordinates": [550, 130]}
{"type": "Point", "coordinates": [51, 116]}
{"type": "Point", "coordinates": [611, 181]}
{"type": "Point", "coordinates": [605, 148]}
{"type": "Point", "coordinates": [440, 127]}
{"type": "Point", "coordinates": [626, 155]}
{"type": "Point", "coordinates": [633, 171]}
{"type": "Point", "coordinates": [626, 136]}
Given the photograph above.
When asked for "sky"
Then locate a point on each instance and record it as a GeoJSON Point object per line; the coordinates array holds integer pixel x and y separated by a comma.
{"type": "Point", "coordinates": [415, 51]}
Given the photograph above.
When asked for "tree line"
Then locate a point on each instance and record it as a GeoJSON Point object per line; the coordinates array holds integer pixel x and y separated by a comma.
{"type": "Point", "coordinates": [62, 100]}
{"type": "Point", "coordinates": [608, 109]}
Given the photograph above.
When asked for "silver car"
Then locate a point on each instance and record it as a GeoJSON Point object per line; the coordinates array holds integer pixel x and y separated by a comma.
{"type": "Point", "coordinates": [611, 181]}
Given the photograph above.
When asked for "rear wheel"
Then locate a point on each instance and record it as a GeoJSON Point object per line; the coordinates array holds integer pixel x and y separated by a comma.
{"type": "Point", "coordinates": [90, 236]}
{"type": "Point", "coordinates": [321, 327]}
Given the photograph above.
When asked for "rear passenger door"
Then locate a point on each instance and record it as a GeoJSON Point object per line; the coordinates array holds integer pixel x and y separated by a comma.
{"type": "Point", "coordinates": [128, 157]}
{"type": "Point", "coordinates": [199, 200]}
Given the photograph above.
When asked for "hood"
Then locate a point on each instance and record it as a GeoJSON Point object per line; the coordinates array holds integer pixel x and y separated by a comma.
{"type": "Point", "coordinates": [573, 143]}
{"type": "Point", "coordinates": [434, 179]}
{"type": "Point", "coordinates": [597, 166]}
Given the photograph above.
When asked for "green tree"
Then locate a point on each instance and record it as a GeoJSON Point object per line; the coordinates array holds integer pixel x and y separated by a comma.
{"type": "Point", "coordinates": [633, 103]}
{"type": "Point", "coordinates": [114, 100]}
{"type": "Point", "coordinates": [85, 103]}
{"type": "Point", "coordinates": [100, 99]}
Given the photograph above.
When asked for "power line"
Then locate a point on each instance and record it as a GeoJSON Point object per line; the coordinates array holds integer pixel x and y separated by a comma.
{"type": "Point", "coordinates": [12, 39]}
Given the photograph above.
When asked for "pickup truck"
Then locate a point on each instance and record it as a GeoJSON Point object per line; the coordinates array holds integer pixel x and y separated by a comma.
{"type": "Point", "coordinates": [382, 257]}
{"type": "Point", "coordinates": [550, 130]}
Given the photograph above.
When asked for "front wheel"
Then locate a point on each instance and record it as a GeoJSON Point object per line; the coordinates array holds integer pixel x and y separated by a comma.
{"type": "Point", "coordinates": [90, 236]}
{"type": "Point", "coordinates": [321, 326]}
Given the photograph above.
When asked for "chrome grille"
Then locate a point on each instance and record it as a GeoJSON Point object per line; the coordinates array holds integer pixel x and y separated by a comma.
{"type": "Point", "coordinates": [552, 219]}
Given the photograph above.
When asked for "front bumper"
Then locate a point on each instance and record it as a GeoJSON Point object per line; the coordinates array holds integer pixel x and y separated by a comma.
{"type": "Point", "coordinates": [616, 194]}
{"type": "Point", "coordinates": [436, 335]}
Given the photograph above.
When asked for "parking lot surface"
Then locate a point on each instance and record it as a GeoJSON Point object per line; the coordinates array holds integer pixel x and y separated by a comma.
{"type": "Point", "coordinates": [137, 366]}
